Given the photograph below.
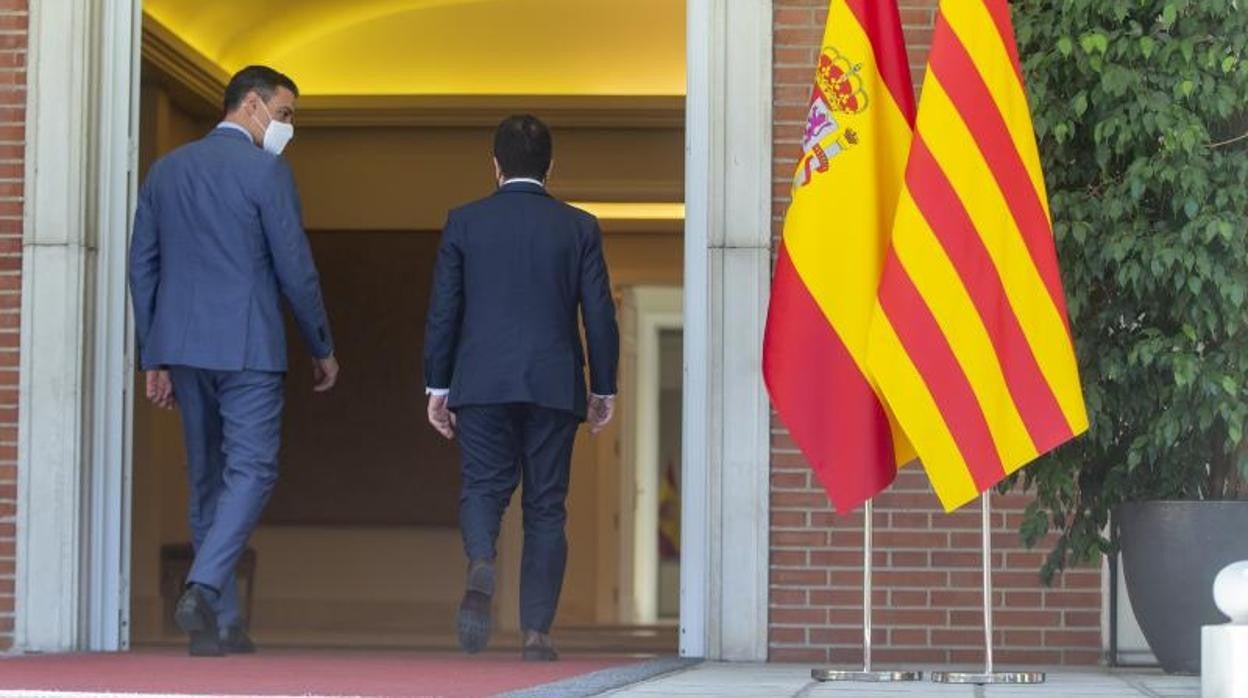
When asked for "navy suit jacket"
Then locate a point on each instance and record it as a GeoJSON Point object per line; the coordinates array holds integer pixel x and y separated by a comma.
{"type": "Point", "coordinates": [512, 272]}
{"type": "Point", "coordinates": [218, 241]}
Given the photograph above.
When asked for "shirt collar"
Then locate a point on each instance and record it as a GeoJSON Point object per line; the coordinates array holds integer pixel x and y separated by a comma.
{"type": "Point", "coordinates": [524, 180]}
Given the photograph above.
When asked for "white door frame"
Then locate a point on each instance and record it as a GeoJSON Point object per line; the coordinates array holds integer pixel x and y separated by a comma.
{"type": "Point", "coordinates": [654, 309]}
{"type": "Point", "coordinates": [72, 586]}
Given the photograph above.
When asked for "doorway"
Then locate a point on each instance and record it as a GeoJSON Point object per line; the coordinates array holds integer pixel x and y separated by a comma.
{"type": "Point", "coordinates": [359, 545]}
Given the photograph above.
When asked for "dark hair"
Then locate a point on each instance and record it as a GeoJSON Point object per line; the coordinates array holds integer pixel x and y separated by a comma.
{"type": "Point", "coordinates": [522, 147]}
{"type": "Point", "coordinates": [260, 78]}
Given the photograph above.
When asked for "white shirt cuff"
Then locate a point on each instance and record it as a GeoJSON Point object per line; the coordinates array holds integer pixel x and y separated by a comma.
{"type": "Point", "coordinates": [603, 397]}
{"type": "Point", "coordinates": [437, 392]}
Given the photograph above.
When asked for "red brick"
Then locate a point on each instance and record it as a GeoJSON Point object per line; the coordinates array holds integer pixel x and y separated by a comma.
{"type": "Point", "coordinates": [798, 655]}
{"type": "Point", "coordinates": [1024, 599]}
{"type": "Point", "coordinates": [846, 636]}
{"type": "Point", "coordinates": [843, 558]}
{"type": "Point", "coordinates": [1025, 638]}
{"type": "Point", "coordinates": [799, 616]}
{"type": "Point", "coordinates": [847, 597]}
{"type": "Point", "coordinates": [799, 500]}
{"type": "Point", "coordinates": [1072, 638]}
{"type": "Point", "coordinates": [788, 635]}
{"type": "Point", "coordinates": [788, 597]}
{"type": "Point", "coordinates": [907, 636]}
{"type": "Point", "coordinates": [1081, 619]}
{"type": "Point", "coordinates": [788, 558]}
{"type": "Point", "coordinates": [910, 559]}
{"type": "Point", "coordinates": [956, 598]}
{"type": "Point", "coordinates": [798, 538]}
{"type": "Point", "coordinates": [788, 519]}
{"type": "Point", "coordinates": [1072, 599]}
{"type": "Point", "coordinates": [910, 616]}
{"type": "Point", "coordinates": [908, 598]}
{"type": "Point", "coordinates": [922, 579]}
{"type": "Point", "coordinates": [789, 480]}
{"type": "Point", "coordinates": [955, 558]}
{"type": "Point", "coordinates": [904, 519]}
{"type": "Point", "coordinates": [799, 577]}
{"type": "Point", "coordinates": [962, 638]}
{"type": "Point", "coordinates": [1081, 579]}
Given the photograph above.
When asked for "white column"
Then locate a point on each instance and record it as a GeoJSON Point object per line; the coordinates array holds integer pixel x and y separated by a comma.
{"type": "Point", "coordinates": [728, 250]}
{"type": "Point", "coordinates": [70, 566]}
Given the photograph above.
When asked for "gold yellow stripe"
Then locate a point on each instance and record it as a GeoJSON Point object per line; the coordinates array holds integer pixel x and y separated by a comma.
{"type": "Point", "coordinates": [938, 282]}
{"type": "Point", "coordinates": [973, 25]}
{"type": "Point", "coordinates": [910, 399]}
{"type": "Point", "coordinates": [953, 147]}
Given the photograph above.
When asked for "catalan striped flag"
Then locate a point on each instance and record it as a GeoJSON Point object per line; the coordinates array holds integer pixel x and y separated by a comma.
{"type": "Point", "coordinates": [970, 341]}
{"type": "Point", "coordinates": [845, 190]}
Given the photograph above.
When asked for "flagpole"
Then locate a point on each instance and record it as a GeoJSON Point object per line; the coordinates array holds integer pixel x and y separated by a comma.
{"type": "Point", "coordinates": [988, 675]}
{"type": "Point", "coordinates": [867, 674]}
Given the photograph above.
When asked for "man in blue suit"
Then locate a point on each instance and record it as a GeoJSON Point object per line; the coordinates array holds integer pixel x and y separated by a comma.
{"type": "Point", "coordinates": [505, 370]}
{"type": "Point", "coordinates": [218, 242]}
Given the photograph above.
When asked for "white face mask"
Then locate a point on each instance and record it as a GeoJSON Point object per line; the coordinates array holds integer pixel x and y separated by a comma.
{"type": "Point", "coordinates": [277, 134]}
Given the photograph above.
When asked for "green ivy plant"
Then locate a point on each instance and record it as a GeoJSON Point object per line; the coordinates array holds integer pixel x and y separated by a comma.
{"type": "Point", "coordinates": [1141, 112]}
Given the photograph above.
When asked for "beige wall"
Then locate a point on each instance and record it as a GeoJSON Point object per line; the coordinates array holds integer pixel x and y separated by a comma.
{"type": "Point", "coordinates": [395, 583]}
{"type": "Point", "coordinates": [406, 179]}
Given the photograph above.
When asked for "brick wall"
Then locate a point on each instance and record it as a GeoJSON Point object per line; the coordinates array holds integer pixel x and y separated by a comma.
{"type": "Point", "coordinates": [12, 175]}
{"type": "Point", "coordinates": [927, 579]}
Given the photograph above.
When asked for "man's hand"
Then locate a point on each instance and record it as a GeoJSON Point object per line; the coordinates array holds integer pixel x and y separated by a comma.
{"type": "Point", "coordinates": [324, 373]}
{"type": "Point", "coordinates": [601, 409]}
{"type": "Point", "coordinates": [440, 416]}
{"type": "Point", "coordinates": [160, 390]}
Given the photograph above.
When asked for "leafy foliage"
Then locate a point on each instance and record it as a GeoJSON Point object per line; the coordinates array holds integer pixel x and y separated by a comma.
{"type": "Point", "coordinates": [1141, 112]}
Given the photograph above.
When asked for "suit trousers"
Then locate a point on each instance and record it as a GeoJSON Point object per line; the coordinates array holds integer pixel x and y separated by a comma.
{"type": "Point", "coordinates": [500, 446]}
{"type": "Point", "coordinates": [231, 422]}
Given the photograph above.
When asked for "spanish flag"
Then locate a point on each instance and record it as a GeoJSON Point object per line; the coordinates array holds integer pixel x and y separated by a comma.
{"type": "Point", "coordinates": [845, 190]}
{"type": "Point", "coordinates": [970, 342]}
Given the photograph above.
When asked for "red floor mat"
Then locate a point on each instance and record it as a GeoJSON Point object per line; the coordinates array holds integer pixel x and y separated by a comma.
{"type": "Point", "coordinates": [294, 672]}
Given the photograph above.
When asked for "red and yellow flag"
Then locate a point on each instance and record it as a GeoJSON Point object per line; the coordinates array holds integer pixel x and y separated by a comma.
{"type": "Point", "coordinates": [845, 191]}
{"type": "Point", "coordinates": [970, 342]}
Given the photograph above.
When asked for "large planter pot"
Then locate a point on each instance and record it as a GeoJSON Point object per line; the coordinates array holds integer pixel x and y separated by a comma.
{"type": "Point", "coordinates": [1171, 552]}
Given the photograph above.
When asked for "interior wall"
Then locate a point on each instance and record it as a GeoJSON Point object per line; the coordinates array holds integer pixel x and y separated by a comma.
{"type": "Point", "coordinates": [406, 577]}
{"type": "Point", "coordinates": [407, 179]}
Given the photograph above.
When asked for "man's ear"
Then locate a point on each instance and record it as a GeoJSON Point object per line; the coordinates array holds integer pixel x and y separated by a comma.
{"type": "Point", "coordinates": [498, 171]}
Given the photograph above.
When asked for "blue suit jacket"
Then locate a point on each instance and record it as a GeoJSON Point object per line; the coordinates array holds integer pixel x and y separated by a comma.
{"type": "Point", "coordinates": [512, 272]}
{"type": "Point", "coordinates": [218, 240]}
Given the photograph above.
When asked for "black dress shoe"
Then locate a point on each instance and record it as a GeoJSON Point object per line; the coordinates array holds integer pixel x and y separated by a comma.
{"type": "Point", "coordinates": [237, 641]}
{"type": "Point", "coordinates": [538, 647]}
{"type": "Point", "coordinates": [195, 615]}
{"type": "Point", "coordinates": [473, 620]}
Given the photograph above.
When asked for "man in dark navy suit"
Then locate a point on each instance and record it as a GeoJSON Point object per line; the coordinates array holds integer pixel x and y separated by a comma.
{"type": "Point", "coordinates": [218, 242]}
{"type": "Point", "coordinates": [505, 370]}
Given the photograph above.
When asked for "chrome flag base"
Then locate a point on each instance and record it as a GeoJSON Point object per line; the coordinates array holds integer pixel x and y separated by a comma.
{"type": "Point", "coordinates": [1000, 677]}
{"type": "Point", "coordinates": [865, 676]}
{"type": "Point", "coordinates": [987, 676]}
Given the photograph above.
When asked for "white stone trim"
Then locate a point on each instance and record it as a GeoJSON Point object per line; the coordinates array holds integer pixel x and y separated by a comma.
{"type": "Point", "coordinates": [657, 309]}
{"type": "Point", "coordinates": [109, 480]}
{"type": "Point", "coordinates": [724, 527]}
{"type": "Point", "coordinates": [71, 568]}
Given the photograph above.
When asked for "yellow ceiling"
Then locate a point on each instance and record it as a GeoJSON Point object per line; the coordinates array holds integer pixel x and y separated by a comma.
{"type": "Point", "coordinates": [453, 47]}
